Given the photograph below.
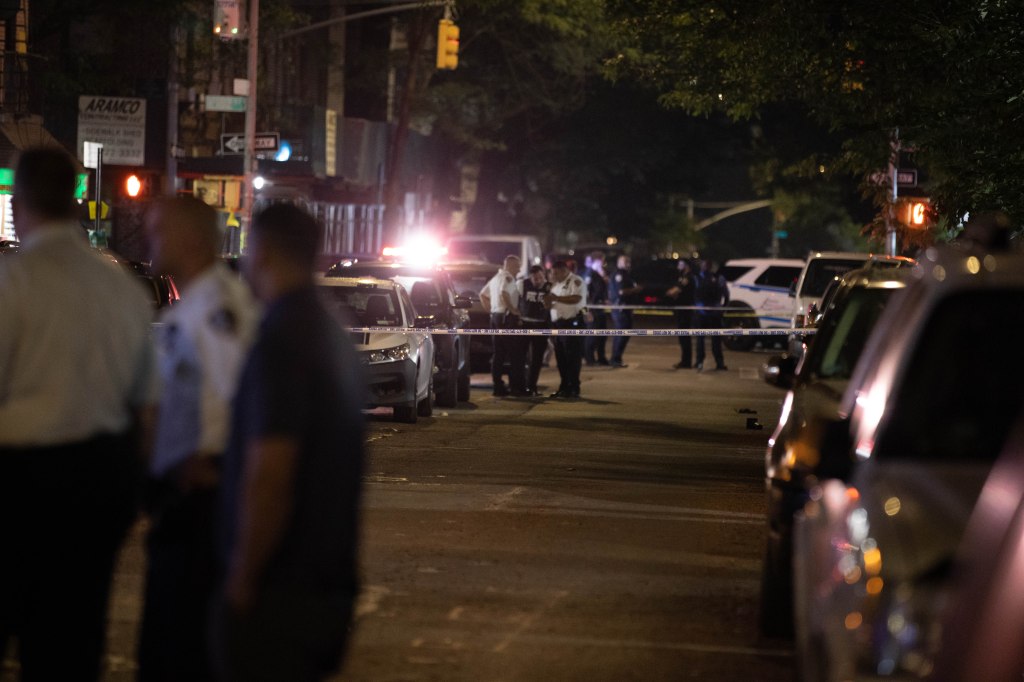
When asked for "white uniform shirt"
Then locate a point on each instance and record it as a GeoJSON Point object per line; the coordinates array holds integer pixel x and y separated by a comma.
{"type": "Point", "coordinates": [75, 349]}
{"type": "Point", "coordinates": [571, 286]}
{"type": "Point", "coordinates": [503, 281]}
{"type": "Point", "coordinates": [202, 343]}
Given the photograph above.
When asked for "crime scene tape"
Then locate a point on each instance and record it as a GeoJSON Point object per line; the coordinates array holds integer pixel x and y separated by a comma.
{"type": "Point", "coordinates": [581, 332]}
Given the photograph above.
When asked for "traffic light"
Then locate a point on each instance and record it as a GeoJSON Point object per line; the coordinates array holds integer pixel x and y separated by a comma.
{"type": "Point", "coordinates": [137, 186]}
{"type": "Point", "coordinates": [916, 213]}
{"type": "Point", "coordinates": [447, 44]}
{"type": "Point", "coordinates": [227, 19]}
{"type": "Point", "coordinates": [132, 186]}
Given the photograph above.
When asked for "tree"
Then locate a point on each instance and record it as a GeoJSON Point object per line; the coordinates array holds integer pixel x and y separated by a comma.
{"type": "Point", "coordinates": [947, 74]}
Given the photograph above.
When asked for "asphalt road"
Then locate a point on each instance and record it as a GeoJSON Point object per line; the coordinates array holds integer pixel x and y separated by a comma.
{"type": "Point", "coordinates": [617, 537]}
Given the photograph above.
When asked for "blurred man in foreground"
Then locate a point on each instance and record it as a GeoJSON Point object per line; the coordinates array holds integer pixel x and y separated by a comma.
{"type": "Point", "coordinates": [76, 380]}
{"type": "Point", "coordinates": [292, 471]}
{"type": "Point", "coordinates": [202, 342]}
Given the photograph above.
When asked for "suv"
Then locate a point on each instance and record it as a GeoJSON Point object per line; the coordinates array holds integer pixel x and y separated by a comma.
{"type": "Point", "coordinates": [469, 279]}
{"type": "Point", "coordinates": [759, 291]}
{"type": "Point", "coordinates": [927, 410]}
{"type": "Point", "coordinates": [815, 388]}
{"type": "Point", "coordinates": [399, 365]}
{"type": "Point", "coordinates": [438, 306]}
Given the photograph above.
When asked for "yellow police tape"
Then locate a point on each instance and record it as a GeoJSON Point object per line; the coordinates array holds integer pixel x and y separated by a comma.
{"type": "Point", "coordinates": [518, 331]}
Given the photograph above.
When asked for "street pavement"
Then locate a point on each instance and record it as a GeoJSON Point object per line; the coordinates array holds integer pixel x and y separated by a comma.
{"type": "Point", "coordinates": [615, 537]}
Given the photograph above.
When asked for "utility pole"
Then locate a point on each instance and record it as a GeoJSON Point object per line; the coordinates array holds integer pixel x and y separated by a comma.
{"type": "Point", "coordinates": [890, 210]}
{"type": "Point", "coordinates": [249, 160]}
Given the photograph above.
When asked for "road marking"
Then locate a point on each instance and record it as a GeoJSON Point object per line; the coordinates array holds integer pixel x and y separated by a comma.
{"type": "Point", "coordinates": [369, 599]}
{"type": "Point", "coordinates": [529, 620]}
{"type": "Point", "coordinates": [563, 640]}
{"type": "Point", "coordinates": [503, 500]}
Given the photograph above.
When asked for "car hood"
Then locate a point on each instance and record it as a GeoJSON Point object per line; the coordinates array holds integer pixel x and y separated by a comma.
{"type": "Point", "coordinates": [917, 512]}
{"type": "Point", "coordinates": [378, 341]}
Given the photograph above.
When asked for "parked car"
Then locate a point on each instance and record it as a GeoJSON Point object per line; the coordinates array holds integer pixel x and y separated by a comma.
{"type": "Point", "coordinates": [759, 292]}
{"type": "Point", "coordinates": [161, 290]}
{"type": "Point", "coordinates": [399, 366]}
{"type": "Point", "coordinates": [815, 387]}
{"type": "Point", "coordinates": [493, 248]}
{"type": "Point", "coordinates": [927, 410]}
{"type": "Point", "coordinates": [469, 278]}
{"type": "Point", "coordinates": [8, 247]}
{"type": "Point", "coordinates": [439, 306]}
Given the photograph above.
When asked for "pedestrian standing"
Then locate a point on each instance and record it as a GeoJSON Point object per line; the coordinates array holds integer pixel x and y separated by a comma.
{"type": "Point", "coordinates": [534, 315]}
{"type": "Point", "coordinates": [624, 291]}
{"type": "Point", "coordinates": [501, 297]}
{"type": "Point", "coordinates": [711, 294]}
{"type": "Point", "coordinates": [77, 381]}
{"type": "Point", "coordinates": [597, 296]}
{"type": "Point", "coordinates": [681, 294]}
{"type": "Point", "coordinates": [567, 299]}
{"type": "Point", "coordinates": [292, 470]}
{"type": "Point", "coordinates": [201, 344]}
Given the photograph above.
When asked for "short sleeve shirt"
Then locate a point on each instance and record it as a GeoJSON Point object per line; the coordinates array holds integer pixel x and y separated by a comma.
{"type": "Point", "coordinates": [571, 286]}
{"type": "Point", "coordinates": [303, 381]}
{"type": "Point", "coordinates": [502, 281]}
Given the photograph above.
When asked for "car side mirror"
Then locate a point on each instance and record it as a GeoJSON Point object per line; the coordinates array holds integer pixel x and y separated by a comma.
{"type": "Point", "coordinates": [464, 302]}
{"type": "Point", "coordinates": [792, 289]}
{"type": "Point", "coordinates": [780, 371]}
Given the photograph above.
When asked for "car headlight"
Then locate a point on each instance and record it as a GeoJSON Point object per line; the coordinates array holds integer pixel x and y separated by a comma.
{"type": "Point", "coordinates": [394, 354]}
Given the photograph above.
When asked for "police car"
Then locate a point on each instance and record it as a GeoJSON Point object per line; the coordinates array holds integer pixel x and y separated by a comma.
{"type": "Point", "coordinates": [399, 365]}
{"type": "Point", "coordinates": [759, 292]}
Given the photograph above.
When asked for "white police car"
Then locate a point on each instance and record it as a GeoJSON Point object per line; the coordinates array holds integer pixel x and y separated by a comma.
{"type": "Point", "coordinates": [399, 365]}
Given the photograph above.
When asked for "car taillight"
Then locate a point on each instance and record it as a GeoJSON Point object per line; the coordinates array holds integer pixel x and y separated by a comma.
{"type": "Point", "coordinates": [649, 299]}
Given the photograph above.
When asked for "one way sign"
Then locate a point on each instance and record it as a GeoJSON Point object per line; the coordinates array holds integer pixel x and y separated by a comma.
{"type": "Point", "coordinates": [235, 144]}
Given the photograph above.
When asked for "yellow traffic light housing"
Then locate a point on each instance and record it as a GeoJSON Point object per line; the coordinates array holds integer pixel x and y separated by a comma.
{"type": "Point", "coordinates": [447, 44]}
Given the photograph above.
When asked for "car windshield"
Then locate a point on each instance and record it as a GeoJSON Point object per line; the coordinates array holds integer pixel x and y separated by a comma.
{"type": "Point", "coordinates": [469, 284]}
{"type": "Point", "coordinates": [366, 306]}
{"type": "Point", "coordinates": [488, 251]}
{"type": "Point", "coordinates": [821, 271]}
{"type": "Point", "coordinates": [843, 332]}
{"type": "Point", "coordinates": [734, 272]}
{"type": "Point", "coordinates": [962, 390]}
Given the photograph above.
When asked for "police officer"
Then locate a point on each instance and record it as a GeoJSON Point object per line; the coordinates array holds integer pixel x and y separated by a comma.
{"type": "Point", "coordinates": [202, 343]}
{"type": "Point", "coordinates": [681, 294]}
{"type": "Point", "coordinates": [710, 294]}
{"type": "Point", "coordinates": [597, 295]}
{"type": "Point", "coordinates": [534, 315]}
{"type": "Point", "coordinates": [501, 296]}
{"type": "Point", "coordinates": [567, 299]}
{"type": "Point", "coordinates": [622, 290]}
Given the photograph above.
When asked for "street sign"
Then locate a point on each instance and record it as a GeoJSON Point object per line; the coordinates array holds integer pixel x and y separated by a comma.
{"type": "Point", "coordinates": [235, 144]}
{"type": "Point", "coordinates": [91, 154]}
{"type": "Point", "coordinates": [906, 178]}
{"type": "Point", "coordinates": [224, 103]}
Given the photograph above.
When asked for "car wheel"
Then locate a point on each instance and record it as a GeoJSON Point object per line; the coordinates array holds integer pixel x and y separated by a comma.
{"type": "Point", "coordinates": [463, 389]}
{"type": "Point", "coordinates": [740, 317]}
{"type": "Point", "coordinates": [448, 395]}
{"type": "Point", "coordinates": [425, 407]}
{"type": "Point", "coordinates": [775, 607]}
{"type": "Point", "coordinates": [405, 413]}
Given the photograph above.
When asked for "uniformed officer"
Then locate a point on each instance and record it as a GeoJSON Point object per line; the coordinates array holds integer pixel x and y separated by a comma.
{"type": "Point", "coordinates": [501, 296]}
{"type": "Point", "coordinates": [622, 290]}
{"type": "Point", "coordinates": [567, 299]}
{"type": "Point", "coordinates": [681, 294]}
{"type": "Point", "coordinates": [597, 294]}
{"type": "Point", "coordinates": [534, 314]}
{"type": "Point", "coordinates": [710, 294]}
{"type": "Point", "coordinates": [202, 343]}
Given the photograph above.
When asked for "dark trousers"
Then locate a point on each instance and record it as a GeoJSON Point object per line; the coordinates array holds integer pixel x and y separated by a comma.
{"type": "Point", "coordinates": [181, 578]}
{"type": "Point", "coordinates": [291, 633]}
{"type": "Point", "coordinates": [569, 355]}
{"type": "Point", "coordinates": [510, 350]}
{"type": "Point", "coordinates": [536, 346]}
{"type": "Point", "coordinates": [594, 346]}
{"type": "Point", "coordinates": [623, 319]}
{"type": "Point", "coordinates": [710, 321]}
{"type": "Point", "coordinates": [64, 511]}
{"type": "Point", "coordinates": [684, 320]}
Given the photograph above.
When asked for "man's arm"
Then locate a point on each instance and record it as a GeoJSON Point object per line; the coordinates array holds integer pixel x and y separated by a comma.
{"type": "Point", "coordinates": [266, 505]}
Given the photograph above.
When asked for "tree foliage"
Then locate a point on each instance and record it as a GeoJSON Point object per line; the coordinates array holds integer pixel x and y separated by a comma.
{"type": "Point", "coordinates": [948, 74]}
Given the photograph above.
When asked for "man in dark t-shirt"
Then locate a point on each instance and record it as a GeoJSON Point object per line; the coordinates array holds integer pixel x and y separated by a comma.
{"type": "Point", "coordinates": [292, 472]}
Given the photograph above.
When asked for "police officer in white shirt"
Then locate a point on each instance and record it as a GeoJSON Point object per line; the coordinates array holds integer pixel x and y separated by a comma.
{"type": "Point", "coordinates": [567, 300]}
{"type": "Point", "coordinates": [202, 343]}
{"type": "Point", "coordinates": [501, 296]}
{"type": "Point", "coordinates": [76, 381]}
